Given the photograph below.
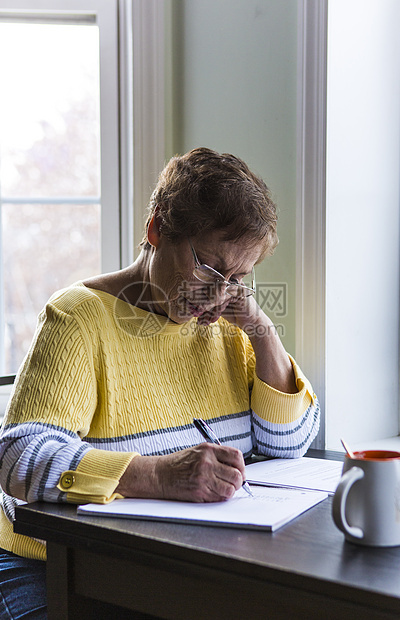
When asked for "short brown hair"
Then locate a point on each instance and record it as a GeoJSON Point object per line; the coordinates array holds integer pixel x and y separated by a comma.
{"type": "Point", "coordinates": [203, 191]}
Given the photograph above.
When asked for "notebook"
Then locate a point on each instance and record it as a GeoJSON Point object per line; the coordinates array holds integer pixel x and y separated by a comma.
{"type": "Point", "coordinates": [268, 509]}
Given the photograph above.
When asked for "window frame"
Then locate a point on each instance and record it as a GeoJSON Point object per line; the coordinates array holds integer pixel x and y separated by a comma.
{"type": "Point", "coordinates": [312, 281]}
{"type": "Point", "coordinates": [311, 197]}
{"type": "Point", "coordinates": [131, 109]}
{"type": "Point", "coordinates": [105, 14]}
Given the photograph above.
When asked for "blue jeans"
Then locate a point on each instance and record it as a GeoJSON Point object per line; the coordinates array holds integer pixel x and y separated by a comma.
{"type": "Point", "coordinates": [22, 588]}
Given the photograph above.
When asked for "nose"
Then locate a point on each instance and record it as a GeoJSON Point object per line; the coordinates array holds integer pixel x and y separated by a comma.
{"type": "Point", "coordinates": [218, 291]}
{"type": "Point", "coordinates": [206, 295]}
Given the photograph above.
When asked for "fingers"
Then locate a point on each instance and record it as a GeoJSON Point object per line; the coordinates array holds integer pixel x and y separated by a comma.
{"type": "Point", "coordinates": [228, 456]}
{"type": "Point", "coordinates": [204, 473]}
{"type": "Point", "coordinates": [219, 473]}
{"type": "Point", "coordinates": [227, 481]}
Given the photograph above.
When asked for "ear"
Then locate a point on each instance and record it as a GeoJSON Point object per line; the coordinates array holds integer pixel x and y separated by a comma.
{"type": "Point", "coordinates": [153, 230]}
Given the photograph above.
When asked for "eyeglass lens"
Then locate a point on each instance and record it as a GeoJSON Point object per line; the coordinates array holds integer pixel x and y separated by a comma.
{"type": "Point", "coordinates": [208, 275]}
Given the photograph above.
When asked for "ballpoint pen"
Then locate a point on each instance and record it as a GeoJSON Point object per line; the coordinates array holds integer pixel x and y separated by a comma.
{"type": "Point", "coordinates": [209, 435]}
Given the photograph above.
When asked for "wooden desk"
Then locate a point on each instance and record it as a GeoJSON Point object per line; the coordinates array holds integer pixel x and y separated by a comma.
{"type": "Point", "coordinates": [304, 570]}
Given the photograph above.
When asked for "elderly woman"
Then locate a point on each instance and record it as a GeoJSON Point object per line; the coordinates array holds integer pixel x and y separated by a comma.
{"type": "Point", "coordinates": [121, 363]}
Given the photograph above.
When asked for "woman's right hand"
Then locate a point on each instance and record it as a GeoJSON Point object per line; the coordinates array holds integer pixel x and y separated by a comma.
{"type": "Point", "coordinates": [204, 473]}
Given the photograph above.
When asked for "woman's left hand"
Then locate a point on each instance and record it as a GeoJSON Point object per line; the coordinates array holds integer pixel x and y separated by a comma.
{"type": "Point", "coordinates": [273, 365]}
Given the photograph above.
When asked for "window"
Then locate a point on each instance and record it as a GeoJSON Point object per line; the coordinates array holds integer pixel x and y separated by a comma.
{"type": "Point", "coordinates": [362, 220]}
{"type": "Point", "coordinates": [348, 243]}
{"type": "Point", "coordinates": [49, 169]}
{"type": "Point", "coordinates": [59, 157]}
{"type": "Point", "coordinates": [97, 201]}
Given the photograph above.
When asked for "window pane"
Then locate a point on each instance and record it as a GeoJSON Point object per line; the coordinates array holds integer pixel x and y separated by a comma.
{"type": "Point", "coordinates": [49, 110]}
{"type": "Point", "coordinates": [49, 148]}
{"type": "Point", "coordinates": [45, 247]}
{"type": "Point", "coordinates": [363, 223]}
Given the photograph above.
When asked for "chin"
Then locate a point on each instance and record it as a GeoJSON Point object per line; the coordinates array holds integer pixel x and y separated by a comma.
{"type": "Point", "coordinates": [180, 320]}
{"type": "Point", "coordinates": [208, 320]}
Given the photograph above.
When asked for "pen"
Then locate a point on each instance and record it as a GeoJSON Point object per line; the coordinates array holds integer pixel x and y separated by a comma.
{"type": "Point", "coordinates": [209, 435]}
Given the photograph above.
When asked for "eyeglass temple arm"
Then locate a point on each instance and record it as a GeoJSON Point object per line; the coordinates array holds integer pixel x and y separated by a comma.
{"type": "Point", "coordinates": [196, 260]}
{"type": "Point", "coordinates": [253, 279]}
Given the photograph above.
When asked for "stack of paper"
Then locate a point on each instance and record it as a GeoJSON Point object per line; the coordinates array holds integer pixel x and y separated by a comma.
{"type": "Point", "coordinates": [303, 473]}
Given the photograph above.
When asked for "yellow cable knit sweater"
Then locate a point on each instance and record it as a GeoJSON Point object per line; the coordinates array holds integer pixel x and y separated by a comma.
{"type": "Point", "coordinates": [104, 381]}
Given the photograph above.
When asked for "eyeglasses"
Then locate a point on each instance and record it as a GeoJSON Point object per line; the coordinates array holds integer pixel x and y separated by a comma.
{"type": "Point", "coordinates": [208, 275]}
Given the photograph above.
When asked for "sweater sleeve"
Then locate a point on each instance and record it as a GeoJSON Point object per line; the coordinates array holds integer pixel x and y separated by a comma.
{"type": "Point", "coordinates": [284, 424]}
{"type": "Point", "coordinates": [43, 455]}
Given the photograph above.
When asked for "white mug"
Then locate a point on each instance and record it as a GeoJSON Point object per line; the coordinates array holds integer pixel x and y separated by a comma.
{"type": "Point", "coordinates": [366, 504]}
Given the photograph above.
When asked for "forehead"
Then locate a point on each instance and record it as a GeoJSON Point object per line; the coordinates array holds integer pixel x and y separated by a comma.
{"type": "Point", "coordinates": [234, 256]}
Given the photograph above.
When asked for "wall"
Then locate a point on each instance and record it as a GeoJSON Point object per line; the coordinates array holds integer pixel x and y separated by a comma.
{"type": "Point", "coordinates": [233, 89]}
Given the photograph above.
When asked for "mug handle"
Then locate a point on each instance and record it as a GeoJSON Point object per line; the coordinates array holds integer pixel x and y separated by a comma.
{"type": "Point", "coordinates": [339, 502]}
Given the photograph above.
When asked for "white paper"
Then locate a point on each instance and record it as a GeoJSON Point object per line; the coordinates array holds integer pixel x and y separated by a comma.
{"type": "Point", "coordinates": [302, 473]}
{"type": "Point", "coordinates": [268, 509]}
